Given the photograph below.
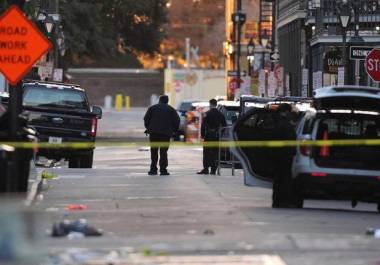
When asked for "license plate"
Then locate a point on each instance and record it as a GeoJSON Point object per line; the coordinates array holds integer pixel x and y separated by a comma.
{"type": "Point", "coordinates": [55, 140]}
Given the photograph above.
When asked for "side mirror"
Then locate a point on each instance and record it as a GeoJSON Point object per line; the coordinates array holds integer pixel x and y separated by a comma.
{"type": "Point", "coordinates": [96, 110]}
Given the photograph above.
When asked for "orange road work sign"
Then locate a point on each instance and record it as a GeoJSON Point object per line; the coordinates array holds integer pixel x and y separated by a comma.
{"type": "Point", "coordinates": [21, 44]}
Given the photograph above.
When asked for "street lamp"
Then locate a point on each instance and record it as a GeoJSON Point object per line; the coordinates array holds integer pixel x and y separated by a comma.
{"type": "Point", "coordinates": [49, 24]}
{"type": "Point", "coordinates": [250, 55]}
{"type": "Point", "coordinates": [344, 14]}
{"type": "Point", "coordinates": [264, 44]}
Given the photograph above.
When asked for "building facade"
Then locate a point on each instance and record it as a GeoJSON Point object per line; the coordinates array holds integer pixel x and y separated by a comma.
{"type": "Point", "coordinates": [312, 51]}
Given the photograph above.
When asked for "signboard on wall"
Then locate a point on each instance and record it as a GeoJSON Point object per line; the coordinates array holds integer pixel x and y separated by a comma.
{"type": "Point", "coordinates": [272, 85]}
{"type": "Point", "coordinates": [341, 76]}
{"type": "Point", "coordinates": [305, 82]}
{"type": "Point", "coordinates": [317, 80]}
{"type": "Point", "coordinates": [332, 61]}
{"type": "Point", "coordinates": [287, 85]}
{"type": "Point", "coordinates": [251, 30]}
{"type": "Point", "coordinates": [262, 82]}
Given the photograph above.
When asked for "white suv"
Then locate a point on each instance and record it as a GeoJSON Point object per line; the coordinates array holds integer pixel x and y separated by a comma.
{"type": "Point", "coordinates": [346, 172]}
{"type": "Point", "coordinates": [349, 171]}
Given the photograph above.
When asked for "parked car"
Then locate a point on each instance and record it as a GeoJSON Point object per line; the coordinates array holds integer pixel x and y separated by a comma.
{"type": "Point", "coordinates": [248, 102]}
{"type": "Point", "coordinates": [347, 172]}
{"type": "Point", "coordinates": [4, 98]}
{"type": "Point", "coordinates": [230, 110]}
{"type": "Point", "coordinates": [61, 113]}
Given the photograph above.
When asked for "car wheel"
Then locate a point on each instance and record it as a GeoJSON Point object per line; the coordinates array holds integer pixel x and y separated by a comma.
{"type": "Point", "coordinates": [86, 161]}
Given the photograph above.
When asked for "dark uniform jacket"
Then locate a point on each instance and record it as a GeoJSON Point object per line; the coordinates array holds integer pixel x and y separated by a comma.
{"type": "Point", "coordinates": [161, 119]}
{"type": "Point", "coordinates": [211, 123]}
{"type": "Point", "coordinates": [284, 131]}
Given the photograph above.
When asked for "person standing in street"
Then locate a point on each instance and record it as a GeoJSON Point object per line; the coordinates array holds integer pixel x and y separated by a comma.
{"type": "Point", "coordinates": [161, 122]}
{"type": "Point", "coordinates": [282, 159]}
{"type": "Point", "coordinates": [211, 124]}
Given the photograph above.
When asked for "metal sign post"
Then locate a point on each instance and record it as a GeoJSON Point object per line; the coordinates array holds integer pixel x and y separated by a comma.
{"type": "Point", "coordinates": [359, 53]}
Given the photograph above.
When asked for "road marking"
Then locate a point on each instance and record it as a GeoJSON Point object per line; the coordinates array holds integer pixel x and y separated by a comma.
{"type": "Point", "coordinates": [189, 260]}
{"type": "Point", "coordinates": [123, 185]}
{"type": "Point", "coordinates": [152, 198]}
{"type": "Point", "coordinates": [72, 177]}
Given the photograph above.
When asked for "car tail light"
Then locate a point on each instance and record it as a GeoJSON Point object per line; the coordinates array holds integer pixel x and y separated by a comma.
{"type": "Point", "coordinates": [94, 127]}
{"type": "Point", "coordinates": [318, 174]}
{"type": "Point", "coordinates": [378, 178]}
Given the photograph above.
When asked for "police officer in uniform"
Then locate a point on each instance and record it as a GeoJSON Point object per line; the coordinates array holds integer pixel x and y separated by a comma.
{"type": "Point", "coordinates": [282, 159]}
{"type": "Point", "coordinates": [161, 122]}
{"type": "Point", "coordinates": [211, 124]}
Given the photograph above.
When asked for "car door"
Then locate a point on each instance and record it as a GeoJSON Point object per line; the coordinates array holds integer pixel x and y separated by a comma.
{"type": "Point", "coordinates": [256, 125]}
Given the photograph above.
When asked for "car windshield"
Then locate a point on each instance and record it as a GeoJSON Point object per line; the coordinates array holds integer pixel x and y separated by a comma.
{"type": "Point", "coordinates": [37, 96]}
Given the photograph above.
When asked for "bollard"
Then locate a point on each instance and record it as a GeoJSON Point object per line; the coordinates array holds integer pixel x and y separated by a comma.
{"type": "Point", "coordinates": [119, 102]}
{"type": "Point", "coordinates": [107, 102]}
{"type": "Point", "coordinates": [153, 99]}
{"type": "Point", "coordinates": [127, 103]}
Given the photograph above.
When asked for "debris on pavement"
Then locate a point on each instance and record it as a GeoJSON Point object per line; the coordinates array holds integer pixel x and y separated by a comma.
{"type": "Point", "coordinates": [83, 256]}
{"type": "Point", "coordinates": [373, 232]}
{"type": "Point", "coordinates": [209, 232]}
{"type": "Point", "coordinates": [77, 207]}
{"type": "Point", "coordinates": [64, 228]}
{"type": "Point", "coordinates": [144, 149]}
{"type": "Point", "coordinates": [48, 175]}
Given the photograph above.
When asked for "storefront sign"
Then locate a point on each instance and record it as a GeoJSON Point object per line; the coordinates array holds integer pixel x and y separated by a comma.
{"type": "Point", "coordinates": [251, 30]}
{"type": "Point", "coordinates": [332, 60]}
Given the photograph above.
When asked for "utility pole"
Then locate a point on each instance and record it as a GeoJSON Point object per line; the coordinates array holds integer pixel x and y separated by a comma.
{"type": "Point", "coordinates": [15, 107]}
{"type": "Point", "coordinates": [238, 18]}
{"type": "Point", "coordinates": [238, 52]}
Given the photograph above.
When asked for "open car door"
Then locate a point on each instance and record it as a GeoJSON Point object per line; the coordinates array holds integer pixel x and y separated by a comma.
{"type": "Point", "coordinates": [256, 125]}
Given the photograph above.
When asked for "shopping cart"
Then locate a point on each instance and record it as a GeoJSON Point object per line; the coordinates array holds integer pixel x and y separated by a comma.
{"type": "Point", "coordinates": [225, 158]}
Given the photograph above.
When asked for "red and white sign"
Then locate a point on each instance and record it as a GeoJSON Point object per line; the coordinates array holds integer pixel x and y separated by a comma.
{"type": "Point", "coordinates": [372, 64]}
{"type": "Point", "coordinates": [233, 85]}
{"type": "Point", "coordinates": [21, 44]}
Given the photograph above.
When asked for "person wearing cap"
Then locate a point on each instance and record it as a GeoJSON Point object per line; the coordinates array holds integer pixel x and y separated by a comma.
{"type": "Point", "coordinates": [283, 158]}
{"type": "Point", "coordinates": [211, 124]}
{"type": "Point", "coordinates": [161, 122]}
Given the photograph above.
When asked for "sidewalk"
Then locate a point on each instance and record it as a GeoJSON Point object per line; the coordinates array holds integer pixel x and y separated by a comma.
{"type": "Point", "coordinates": [122, 125]}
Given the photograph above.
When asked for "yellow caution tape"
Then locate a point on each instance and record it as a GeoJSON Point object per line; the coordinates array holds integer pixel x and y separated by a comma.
{"type": "Point", "coordinates": [223, 144]}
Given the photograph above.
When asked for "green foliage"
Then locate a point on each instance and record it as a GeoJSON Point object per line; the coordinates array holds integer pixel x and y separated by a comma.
{"type": "Point", "coordinates": [94, 28]}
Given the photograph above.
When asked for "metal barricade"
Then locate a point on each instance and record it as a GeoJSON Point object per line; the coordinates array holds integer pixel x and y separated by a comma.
{"type": "Point", "coordinates": [225, 157]}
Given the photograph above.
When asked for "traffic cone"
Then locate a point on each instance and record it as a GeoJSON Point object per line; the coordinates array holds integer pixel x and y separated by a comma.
{"type": "Point", "coordinates": [325, 149]}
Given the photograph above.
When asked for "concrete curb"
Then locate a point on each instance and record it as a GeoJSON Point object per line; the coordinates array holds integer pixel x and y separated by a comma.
{"type": "Point", "coordinates": [35, 187]}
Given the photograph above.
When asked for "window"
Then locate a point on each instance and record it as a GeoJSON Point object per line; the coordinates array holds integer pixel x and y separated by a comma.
{"type": "Point", "coordinates": [38, 96]}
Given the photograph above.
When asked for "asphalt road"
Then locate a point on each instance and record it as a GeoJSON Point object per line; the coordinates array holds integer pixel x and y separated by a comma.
{"type": "Point", "coordinates": [187, 214]}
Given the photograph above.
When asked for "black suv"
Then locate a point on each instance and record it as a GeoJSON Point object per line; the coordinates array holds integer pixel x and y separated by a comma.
{"type": "Point", "coordinates": [61, 114]}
